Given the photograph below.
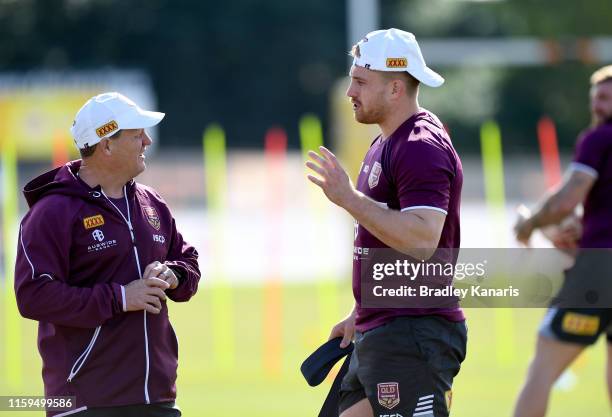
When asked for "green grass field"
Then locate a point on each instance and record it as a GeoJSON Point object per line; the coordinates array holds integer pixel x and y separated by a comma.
{"type": "Point", "coordinates": [484, 388]}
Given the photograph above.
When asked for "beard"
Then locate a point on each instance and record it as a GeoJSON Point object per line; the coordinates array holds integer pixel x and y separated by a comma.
{"type": "Point", "coordinates": [368, 117]}
{"type": "Point", "coordinates": [373, 115]}
{"type": "Point", "coordinates": [597, 120]}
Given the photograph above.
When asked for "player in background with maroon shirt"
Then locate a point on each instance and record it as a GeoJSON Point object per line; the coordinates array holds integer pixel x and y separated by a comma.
{"type": "Point", "coordinates": [407, 198]}
{"type": "Point", "coordinates": [588, 182]}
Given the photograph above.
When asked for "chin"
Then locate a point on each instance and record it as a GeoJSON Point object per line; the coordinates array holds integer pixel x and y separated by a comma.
{"type": "Point", "coordinates": [365, 119]}
{"type": "Point", "coordinates": [140, 169]}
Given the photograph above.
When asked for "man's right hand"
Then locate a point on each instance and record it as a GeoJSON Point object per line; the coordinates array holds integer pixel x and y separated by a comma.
{"type": "Point", "coordinates": [345, 329]}
{"type": "Point", "coordinates": [145, 294]}
{"type": "Point", "coordinates": [565, 235]}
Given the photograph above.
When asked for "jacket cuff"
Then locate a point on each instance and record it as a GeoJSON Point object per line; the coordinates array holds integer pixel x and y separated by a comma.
{"type": "Point", "coordinates": [119, 301]}
{"type": "Point", "coordinates": [178, 270]}
{"type": "Point", "coordinates": [123, 302]}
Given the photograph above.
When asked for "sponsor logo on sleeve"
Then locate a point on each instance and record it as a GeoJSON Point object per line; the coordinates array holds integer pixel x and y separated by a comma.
{"type": "Point", "coordinates": [388, 394]}
{"type": "Point", "coordinates": [107, 128]}
{"type": "Point", "coordinates": [397, 63]}
{"type": "Point", "coordinates": [580, 324]}
{"type": "Point", "coordinates": [152, 217]}
{"type": "Point", "coordinates": [93, 221]}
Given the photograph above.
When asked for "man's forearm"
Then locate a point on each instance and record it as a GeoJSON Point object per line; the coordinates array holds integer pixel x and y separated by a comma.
{"type": "Point", "coordinates": [404, 232]}
{"type": "Point", "coordinates": [551, 211]}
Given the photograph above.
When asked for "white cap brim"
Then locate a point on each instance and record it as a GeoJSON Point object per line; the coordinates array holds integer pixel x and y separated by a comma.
{"type": "Point", "coordinates": [142, 120]}
{"type": "Point", "coordinates": [428, 77]}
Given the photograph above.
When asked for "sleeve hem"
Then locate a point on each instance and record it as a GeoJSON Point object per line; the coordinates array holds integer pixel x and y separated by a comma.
{"type": "Point", "coordinates": [580, 167]}
{"type": "Point", "coordinates": [425, 207]}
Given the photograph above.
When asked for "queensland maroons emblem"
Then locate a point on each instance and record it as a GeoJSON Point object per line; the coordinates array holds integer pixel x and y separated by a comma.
{"type": "Point", "coordinates": [374, 174]}
{"type": "Point", "coordinates": [152, 217]}
{"type": "Point", "coordinates": [388, 394]}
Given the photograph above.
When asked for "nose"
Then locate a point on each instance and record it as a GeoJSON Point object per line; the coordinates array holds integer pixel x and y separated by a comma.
{"type": "Point", "coordinates": [350, 91]}
{"type": "Point", "coordinates": [146, 140]}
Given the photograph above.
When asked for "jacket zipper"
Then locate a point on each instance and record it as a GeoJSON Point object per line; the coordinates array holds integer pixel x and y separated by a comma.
{"type": "Point", "coordinates": [129, 224]}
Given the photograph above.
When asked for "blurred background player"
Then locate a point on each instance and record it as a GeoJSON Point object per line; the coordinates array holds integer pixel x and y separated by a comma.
{"type": "Point", "coordinates": [98, 256]}
{"type": "Point", "coordinates": [589, 181]}
{"type": "Point", "coordinates": [407, 198]}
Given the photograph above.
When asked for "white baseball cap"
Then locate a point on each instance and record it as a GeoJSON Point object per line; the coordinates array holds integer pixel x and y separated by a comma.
{"type": "Point", "coordinates": [395, 50]}
{"type": "Point", "coordinates": [105, 114]}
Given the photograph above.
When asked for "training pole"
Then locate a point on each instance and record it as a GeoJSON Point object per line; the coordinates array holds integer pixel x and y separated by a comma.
{"type": "Point", "coordinates": [311, 138]}
{"type": "Point", "coordinates": [493, 170]}
{"type": "Point", "coordinates": [215, 167]}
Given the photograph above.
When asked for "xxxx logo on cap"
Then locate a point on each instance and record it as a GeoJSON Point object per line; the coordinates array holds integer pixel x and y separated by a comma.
{"type": "Point", "coordinates": [397, 63]}
{"type": "Point", "coordinates": [107, 128]}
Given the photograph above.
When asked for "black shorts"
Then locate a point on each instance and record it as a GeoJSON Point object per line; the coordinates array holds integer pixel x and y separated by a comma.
{"type": "Point", "coordinates": [582, 326]}
{"type": "Point", "coordinates": [406, 367]}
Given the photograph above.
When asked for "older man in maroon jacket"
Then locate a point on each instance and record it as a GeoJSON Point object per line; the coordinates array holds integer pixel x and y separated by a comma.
{"type": "Point", "coordinates": [98, 256]}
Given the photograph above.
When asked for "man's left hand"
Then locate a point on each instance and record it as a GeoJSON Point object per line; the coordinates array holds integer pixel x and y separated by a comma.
{"type": "Point", "coordinates": [161, 271]}
{"type": "Point", "coordinates": [334, 180]}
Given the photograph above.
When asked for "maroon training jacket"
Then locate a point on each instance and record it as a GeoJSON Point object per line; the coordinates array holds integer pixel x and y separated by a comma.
{"type": "Point", "coordinates": [76, 251]}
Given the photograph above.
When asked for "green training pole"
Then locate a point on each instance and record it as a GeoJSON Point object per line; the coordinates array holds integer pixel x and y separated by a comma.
{"type": "Point", "coordinates": [12, 344]}
{"type": "Point", "coordinates": [311, 137]}
{"type": "Point", "coordinates": [215, 166]}
{"type": "Point", "coordinates": [493, 169]}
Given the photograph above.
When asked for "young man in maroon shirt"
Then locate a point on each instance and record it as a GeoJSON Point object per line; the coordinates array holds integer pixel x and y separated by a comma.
{"type": "Point", "coordinates": [407, 199]}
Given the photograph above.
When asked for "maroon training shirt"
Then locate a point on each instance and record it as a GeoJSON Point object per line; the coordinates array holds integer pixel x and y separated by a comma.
{"type": "Point", "coordinates": [415, 167]}
{"type": "Point", "coordinates": [592, 155]}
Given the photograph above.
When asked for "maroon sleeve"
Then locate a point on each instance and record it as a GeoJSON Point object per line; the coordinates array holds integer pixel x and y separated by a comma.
{"type": "Point", "coordinates": [42, 275]}
{"type": "Point", "coordinates": [591, 153]}
{"type": "Point", "coordinates": [422, 172]}
{"type": "Point", "coordinates": [183, 259]}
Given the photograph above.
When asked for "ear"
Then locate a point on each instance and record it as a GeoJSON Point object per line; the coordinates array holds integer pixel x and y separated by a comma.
{"type": "Point", "coordinates": [106, 146]}
{"type": "Point", "coordinates": [397, 88]}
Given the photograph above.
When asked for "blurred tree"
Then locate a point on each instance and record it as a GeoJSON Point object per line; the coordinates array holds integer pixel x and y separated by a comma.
{"type": "Point", "coordinates": [516, 97]}
{"type": "Point", "coordinates": [246, 64]}
{"type": "Point", "coordinates": [252, 64]}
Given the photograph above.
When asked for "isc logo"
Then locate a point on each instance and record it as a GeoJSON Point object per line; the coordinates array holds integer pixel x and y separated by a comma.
{"type": "Point", "coordinates": [390, 415]}
{"type": "Point", "coordinates": [159, 239]}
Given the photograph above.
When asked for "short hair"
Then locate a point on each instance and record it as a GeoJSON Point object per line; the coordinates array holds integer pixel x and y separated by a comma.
{"type": "Point", "coordinates": [412, 83]}
{"type": "Point", "coordinates": [602, 75]}
{"type": "Point", "coordinates": [88, 151]}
